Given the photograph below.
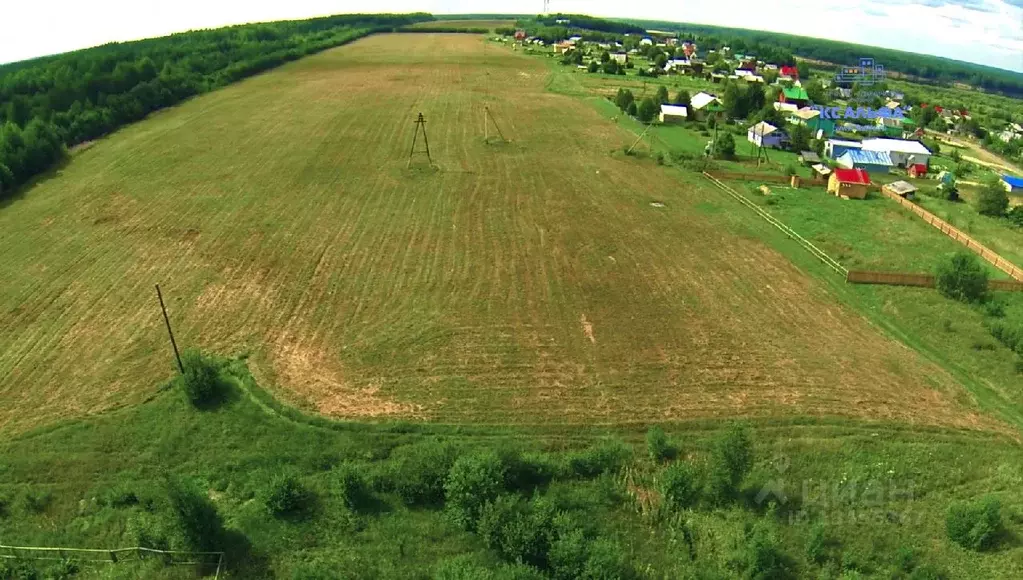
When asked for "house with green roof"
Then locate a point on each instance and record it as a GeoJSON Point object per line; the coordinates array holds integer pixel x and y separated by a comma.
{"type": "Point", "coordinates": [794, 95]}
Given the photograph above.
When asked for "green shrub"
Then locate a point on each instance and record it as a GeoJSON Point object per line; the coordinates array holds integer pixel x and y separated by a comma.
{"type": "Point", "coordinates": [658, 446]}
{"type": "Point", "coordinates": [1008, 334]}
{"type": "Point", "coordinates": [150, 530]}
{"type": "Point", "coordinates": [474, 480]}
{"type": "Point", "coordinates": [724, 147]}
{"type": "Point", "coordinates": [994, 308]}
{"type": "Point", "coordinates": [118, 496]}
{"type": "Point", "coordinates": [790, 169]}
{"type": "Point", "coordinates": [762, 557]}
{"type": "Point", "coordinates": [64, 570]}
{"type": "Point", "coordinates": [286, 496]}
{"type": "Point", "coordinates": [820, 546]}
{"type": "Point", "coordinates": [962, 278]}
{"type": "Point", "coordinates": [606, 561]}
{"type": "Point", "coordinates": [975, 526]}
{"type": "Point", "coordinates": [1015, 215]}
{"type": "Point", "coordinates": [568, 555]}
{"type": "Point", "coordinates": [34, 501]}
{"type": "Point", "coordinates": [731, 462]}
{"type": "Point", "coordinates": [17, 570]}
{"type": "Point", "coordinates": [195, 515]}
{"type": "Point", "coordinates": [679, 486]}
{"type": "Point", "coordinates": [350, 486]}
{"type": "Point", "coordinates": [517, 530]}
{"type": "Point", "coordinates": [201, 379]}
{"type": "Point", "coordinates": [1018, 365]}
{"type": "Point", "coordinates": [605, 457]}
{"type": "Point", "coordinates": [928, 572]}
{"type": "Point", "coordinates": [906, 559]}
{"type": "Point", "coordinates": [524, 472]}
{"type": "Point", "coordinates": [416, 473]}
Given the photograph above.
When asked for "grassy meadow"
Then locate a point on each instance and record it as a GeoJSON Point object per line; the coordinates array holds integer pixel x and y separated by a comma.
{"type": "Point", "coordinates": [505, 325]}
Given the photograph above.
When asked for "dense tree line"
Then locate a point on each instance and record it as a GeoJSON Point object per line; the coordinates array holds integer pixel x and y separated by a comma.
{"type": "Point", "coordinates": [52, 102]}
{"type": "Point", "coordinates": [591, 23]}
{"type": "Point", "coordinates": [932, 68]}
{"type": "Point", "coordinates": [444, 30]}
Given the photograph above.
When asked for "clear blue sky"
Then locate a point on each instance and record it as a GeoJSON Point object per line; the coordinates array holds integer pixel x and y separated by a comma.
{"type": "Point", "coordinates": [984, 31]}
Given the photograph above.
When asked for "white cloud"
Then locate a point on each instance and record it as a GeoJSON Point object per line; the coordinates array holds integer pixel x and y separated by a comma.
{"type": "Point", "coordinates": [990, 33]}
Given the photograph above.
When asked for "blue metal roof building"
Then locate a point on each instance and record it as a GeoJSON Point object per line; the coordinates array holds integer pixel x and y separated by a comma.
{"type": "Point", "coordinates": [1012, 184]}
{"type": "Point", "coordinates": [871, 161]}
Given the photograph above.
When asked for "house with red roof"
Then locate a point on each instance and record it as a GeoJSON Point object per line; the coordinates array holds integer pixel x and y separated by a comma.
{"type": "Point", "coordinates": [789, 71]}
{"type": "Point", "coordinates": [849, 183]}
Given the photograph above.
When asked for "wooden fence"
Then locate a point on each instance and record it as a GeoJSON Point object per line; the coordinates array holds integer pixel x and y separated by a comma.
{"type": "Point", "coordinates": [957, 235]}
{"type": "Point", "coordinates": [764, 177]}
{"type": "Point", "coordinates": [921, 280]}
{"type": "Point", "coordinates": [208, 561]}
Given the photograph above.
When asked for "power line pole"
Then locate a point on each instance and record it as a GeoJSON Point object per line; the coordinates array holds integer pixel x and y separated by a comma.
{"type": "Point", "coordinates": [170, 332]}
{"type": "Point", "coordinates": [420, 123]}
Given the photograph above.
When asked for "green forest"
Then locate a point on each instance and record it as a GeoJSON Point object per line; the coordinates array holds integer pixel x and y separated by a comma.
{"type": "Point", "coordinates": [50, 103]}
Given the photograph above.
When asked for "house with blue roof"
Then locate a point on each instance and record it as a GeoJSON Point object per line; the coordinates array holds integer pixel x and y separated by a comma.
{"type": "Point", "coordinates": [1012, 184]}
{"type": "Point", "coordinates": [869, 161]}
{"type": "Point", "coordinates": [834, 148]}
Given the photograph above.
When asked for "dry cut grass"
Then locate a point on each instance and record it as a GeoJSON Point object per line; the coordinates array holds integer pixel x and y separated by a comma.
{"type": "Point", "coordinates": [528, 282]}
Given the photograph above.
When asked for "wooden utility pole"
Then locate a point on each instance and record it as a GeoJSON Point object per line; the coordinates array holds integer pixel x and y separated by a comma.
{"type": "Point", "coordinates": [170, 332]}
{"type": "Point", "coordinates": [486, 126]}
{"type": "Point", "coordinates": [420, 124]}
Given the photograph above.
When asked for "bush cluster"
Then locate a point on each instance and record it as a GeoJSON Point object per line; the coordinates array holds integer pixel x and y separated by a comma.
{"type": "Point", "coordinates": [976, 526]}
{"type": "Point", "coordinates": [202, 380]}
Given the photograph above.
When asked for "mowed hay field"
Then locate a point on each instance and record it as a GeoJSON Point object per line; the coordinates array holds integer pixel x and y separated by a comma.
{"type": "Point", "coordinates": [528, 283]}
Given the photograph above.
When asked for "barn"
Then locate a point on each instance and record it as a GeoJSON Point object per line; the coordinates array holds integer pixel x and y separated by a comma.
{"type": "Point", "coordinates": [872, 161]}
{"type": "Point", "coordinates": [834, 148]}
{"type": "Point", "coordinates": [901, 152]}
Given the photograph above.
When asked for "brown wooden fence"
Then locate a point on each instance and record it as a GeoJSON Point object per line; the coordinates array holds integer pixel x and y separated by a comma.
{"type": "Point", "coordinates": [957, 235]}
{"type": "Point", "coordinates": [763, 177]}
{"type": "Point", "coordinates": [921, 280]}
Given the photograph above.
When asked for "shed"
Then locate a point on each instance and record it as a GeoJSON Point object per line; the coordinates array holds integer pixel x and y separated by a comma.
{"type": "Point", "coordinates": [620, 57]}
{"type": "Point", "coordinates": [1012, 184]}
{"type": "Point", "coordinates": [785, 107]}
{"type": "Point", "coordinates": [901, 189]}
{"type": "Point", "coordinates": [765, 134]}
{"type": "Point", "coordinates": [834, 148]}
{"type": "Point", "coordinates": [809, 157]}
{"type": "Point", "coordinates": [851, 183]}
{"type": "Point", "coordinates": [872, 161]}
{"type": "Point", "coordinates": [821, 171]}
{"type": "Point", "coordinates": [671, 114]}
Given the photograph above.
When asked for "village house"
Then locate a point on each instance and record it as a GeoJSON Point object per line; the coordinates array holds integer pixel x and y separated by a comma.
{"type": "Point", "coordinates": [811, 118]}
{"type": "Point", "coordinates": [870, 161]}
{"type": "Point", "coordinates": [620, 57]}
{"type": "Point", "coordinates": [902, 189]}
{"type": "Point", "coordinates": [764, 134]}
{"type": "Point", "coordinates": [789, 71]}
{"type": "Point", "coordinates": [647, 42]}
{"type": "Point", "coordinates": [901, 152]}
{"type": "Point", "coordinates": [794, 95]}
{"type": "Point", "coordinates": [701, 103]}
{"type": "Point", "coordinates": [849, 183]}
{"type": "Point", "coordinates": [672, 114]}
{"type": "Point", "coordinates": [785, 107]}
{"type": "Point", "coordinates": [834, 148]}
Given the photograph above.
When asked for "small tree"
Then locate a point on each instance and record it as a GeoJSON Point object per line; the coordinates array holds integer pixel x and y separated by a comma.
{"type": "Point", "coordinates": [732, 460]}
{"type": "Point", "coordinates": [975, 526]}
{"type": "Point", "coordinates": [962, 278]}
{"type": "Point", "coordinates": [624, 98]}
{"type": "Point", "coordinates": [611, 67]}
{"type": "Point", "coordinates": [800, 138]}
{"type": "Point", "coordinates": [202, 380]}
{"type": "Point", "coordinates": [992, 200]}
{"type": "Point", "coordinates": [605, 56]}
{"type": "Point", "coordinates": [632, 109]}
{"type": "Point", "coordinates": [683, 98]}
{"type": "Point", "coordinates": [1015, 215]}
{"type": "Point", "coordinates": [593, 66]}
{"type": "Point", "coordinates": [647, 110]}
{"type": "Point", "coordinates": [473, 481]}
{"type": "Point", "coordinates": [724, 147]}
{"type": "Point", "coordinates": [350, 487]}
{"type": "Point", "coordinates": [662, 94]}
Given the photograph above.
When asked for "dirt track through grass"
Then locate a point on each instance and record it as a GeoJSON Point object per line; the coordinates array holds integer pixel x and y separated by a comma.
{"type": "Point", "coordinates": [530, 282]}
